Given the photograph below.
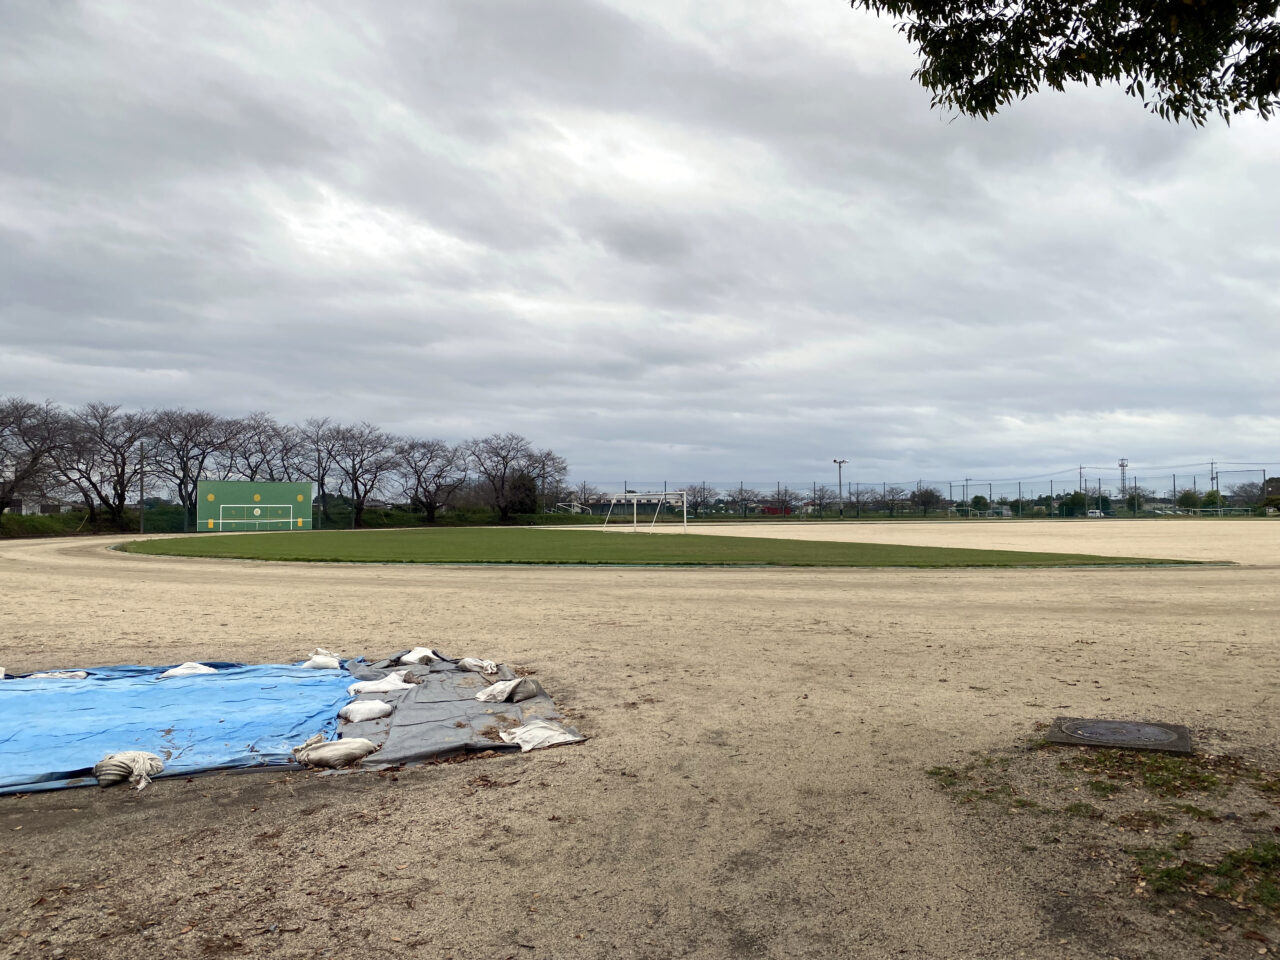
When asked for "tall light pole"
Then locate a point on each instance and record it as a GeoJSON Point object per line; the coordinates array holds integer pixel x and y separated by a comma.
{"type": "Point", "coordinates": [840, 483]}
{"type": "Point", "coordinates": [142, 487]}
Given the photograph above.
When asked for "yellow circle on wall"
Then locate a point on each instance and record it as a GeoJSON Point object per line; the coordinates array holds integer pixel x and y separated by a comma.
{"type": "Point", "coordinates": [299, 523]}
{"type": "Point", "coordinates": [299, 498]}
{"type": "Point", "coordinates": [257, 497]}
{"type": "Point", "coordinates": [209, 498]}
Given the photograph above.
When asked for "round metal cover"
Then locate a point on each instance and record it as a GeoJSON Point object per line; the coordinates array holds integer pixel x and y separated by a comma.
{"type": "Point", "coordinates": [1113, 730]}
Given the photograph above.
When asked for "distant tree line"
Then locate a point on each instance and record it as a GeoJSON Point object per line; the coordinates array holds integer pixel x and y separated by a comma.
{"type": "Point", "coordinates": [104, 457]}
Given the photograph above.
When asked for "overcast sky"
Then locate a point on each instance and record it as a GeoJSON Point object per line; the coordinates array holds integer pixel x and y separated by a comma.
{"type": "Point", "coordinates": [664, 239]}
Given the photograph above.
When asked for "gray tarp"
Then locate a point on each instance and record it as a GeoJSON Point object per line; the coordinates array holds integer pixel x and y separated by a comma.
{"type": "Point", "coordinates": [440, 715]}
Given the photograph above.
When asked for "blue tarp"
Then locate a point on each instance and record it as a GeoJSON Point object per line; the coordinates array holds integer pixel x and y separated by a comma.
{"type": "Point", "coordinates": [52, 732]}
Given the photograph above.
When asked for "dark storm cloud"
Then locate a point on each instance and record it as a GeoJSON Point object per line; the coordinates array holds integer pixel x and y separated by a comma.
{"type": "Point", "coordinates": [698, 240]}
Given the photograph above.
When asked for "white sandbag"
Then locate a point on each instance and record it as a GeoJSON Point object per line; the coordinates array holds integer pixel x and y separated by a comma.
{"type": "Point", "coordinates": [322, 659]}
{"type": "Point", "coordinates": [365, 710]}
{"type": "Point", "coordinates": [388, 684]}
{"type": "Point", "coordinates": [421, 655]}
{"type": "Point", "coordinates": [187, 669]}
{"type": "Point", "coordinates": [136, 766]}
{"type": "Point", "coordinates": [316, 752]}
{"type": "Point", "coordinates": [537, 733]}
{"type": "Point", "coordinates": [477, 666]}
{"type": "Point", "coordinates": [511, 691]}
{"type": "Point", "coordinates": [60, 675]}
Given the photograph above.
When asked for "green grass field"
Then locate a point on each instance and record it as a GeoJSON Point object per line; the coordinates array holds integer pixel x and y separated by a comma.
{"type": "Point", "coordinates": [584, 546]}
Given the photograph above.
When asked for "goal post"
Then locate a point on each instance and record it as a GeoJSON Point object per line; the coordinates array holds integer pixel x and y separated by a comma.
{"type": "Point", "coordinates": [656, 498]}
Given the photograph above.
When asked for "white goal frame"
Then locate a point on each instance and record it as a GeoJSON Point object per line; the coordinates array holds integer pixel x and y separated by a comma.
{"type": "Point", "coordinates": [657, 498]}
{"type": "Point", "coordinates": [249, 508]}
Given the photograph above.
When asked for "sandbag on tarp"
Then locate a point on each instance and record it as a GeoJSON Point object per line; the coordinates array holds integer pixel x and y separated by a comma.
{"type": "Point", "coordinates": [440, 715]}
{"type": "Point", "coordinates": [52, 731]}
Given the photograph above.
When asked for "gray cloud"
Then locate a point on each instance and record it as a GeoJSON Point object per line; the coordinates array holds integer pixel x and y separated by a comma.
{"type": "Point", "coordinates": [666, 240]}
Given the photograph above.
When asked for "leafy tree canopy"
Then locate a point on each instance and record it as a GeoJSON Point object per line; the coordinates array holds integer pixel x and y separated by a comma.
{"type": "Point", "coordinates": [1185, 59]}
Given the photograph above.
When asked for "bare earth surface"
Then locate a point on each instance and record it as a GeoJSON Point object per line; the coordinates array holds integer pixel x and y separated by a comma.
{"type": "Point", "coordinates": [754, 785]}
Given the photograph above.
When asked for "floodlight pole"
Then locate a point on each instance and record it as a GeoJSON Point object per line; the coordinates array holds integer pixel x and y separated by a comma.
{"type": "Point", "coordinates": [840, 482]}
{"type": "Point", "coordinates": [142, 487]}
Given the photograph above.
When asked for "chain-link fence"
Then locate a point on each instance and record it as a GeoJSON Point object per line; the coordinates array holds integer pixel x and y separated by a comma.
{"type": "Point", "coordinates": [1129, 489]}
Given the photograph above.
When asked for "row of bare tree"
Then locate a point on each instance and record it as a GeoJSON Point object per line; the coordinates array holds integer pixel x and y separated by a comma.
{"type": "Point", "coordinates": [785, 499]}
{"type": "Point", "coordinates": [105, 457]}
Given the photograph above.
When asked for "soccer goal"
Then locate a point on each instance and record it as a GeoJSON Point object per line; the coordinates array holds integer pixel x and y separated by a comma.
{"type": "Point", "coordinates": [655, 499]}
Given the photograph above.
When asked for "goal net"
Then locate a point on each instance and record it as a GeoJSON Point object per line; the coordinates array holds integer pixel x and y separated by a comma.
{"type": "Point", "coordinates": [624, 508]}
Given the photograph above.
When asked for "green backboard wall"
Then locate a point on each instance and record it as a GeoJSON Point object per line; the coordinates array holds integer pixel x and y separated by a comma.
{"type": "Point", "coordinates": [246, 505]}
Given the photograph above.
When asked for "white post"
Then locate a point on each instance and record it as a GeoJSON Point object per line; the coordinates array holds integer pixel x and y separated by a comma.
{"type": "Point", "coordinates": [684, 506]}
{"type": "Point", "coordinates": [635, 510]}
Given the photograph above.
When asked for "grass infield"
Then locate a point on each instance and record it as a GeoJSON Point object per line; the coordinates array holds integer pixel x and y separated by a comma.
{"type": "Point", "coordinates": [542, 545]}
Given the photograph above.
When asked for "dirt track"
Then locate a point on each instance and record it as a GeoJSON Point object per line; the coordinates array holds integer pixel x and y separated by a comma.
{"type": "Point", "coordinates": [754, 785]}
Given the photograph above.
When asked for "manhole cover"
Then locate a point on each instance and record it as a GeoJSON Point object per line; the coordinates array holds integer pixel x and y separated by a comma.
{"type": "Point", "coordinates": [1125, 734]}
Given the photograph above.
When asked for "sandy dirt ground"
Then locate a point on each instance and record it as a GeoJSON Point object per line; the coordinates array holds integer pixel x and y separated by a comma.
{"type": "Point", "coordinates": [754, 785]}
{"type": "Point", "coordinates": [1238, 541]}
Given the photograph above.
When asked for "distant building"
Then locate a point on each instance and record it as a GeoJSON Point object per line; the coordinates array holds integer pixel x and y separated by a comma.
{"type": "Point", "coordinates": [33, 506]}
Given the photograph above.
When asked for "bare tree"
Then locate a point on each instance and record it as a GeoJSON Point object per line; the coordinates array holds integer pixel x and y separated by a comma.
{"type": "Point", "coordinates": [254, 448]}
{"type": "Point", "coordinates": [891, 499]}
{"type": "Point", "coordinates": [189, 446]}
{"type": "Point", "coordinates": [864, 499]}
{"type": "Point", "coordinates": [926, 499]}
{"type": "Point", "coordinates": [1248, 494]}
{"type": "Point", "coordinates": [784, 499]}
{"type": "Point", "coordinates": [314, 455]}
{"type": "Point", "coordinates": [742, 498]}
{"type": "Point", "coordinates": [363, 456]}
{"type": "Point", "coordinates": [105, 457]}
{"type": "Point", "coordinates": [823, 497]}
{"type": "Point", "coordinates": [30, 434]}
{"type": "Point", "coordinates": [429, 471]}
{"type": "Point", "coordinates": [499, 460]}
{"type": "Point", "coordinates": [698, 496]}
{"type": "Point", "coordinates": [548, 470]}
{"type": "Point", "coordinates": [584, 493]}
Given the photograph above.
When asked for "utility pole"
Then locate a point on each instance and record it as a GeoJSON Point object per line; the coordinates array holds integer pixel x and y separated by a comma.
{"type": "Point", "coordinates": [840, 482]}
{"type": "Point", "coordinates": [1082, 478]}
{"type": "Point", "coordinates": [1019, 498]}
{"type": "Point", "coordinates": [1124, 466]}
{"type": "Point", "coordinates": [142, 487]}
